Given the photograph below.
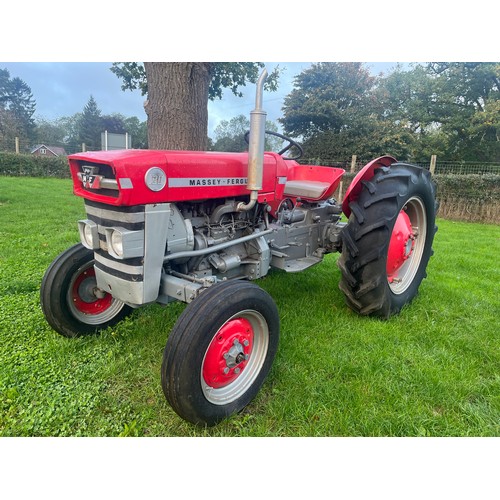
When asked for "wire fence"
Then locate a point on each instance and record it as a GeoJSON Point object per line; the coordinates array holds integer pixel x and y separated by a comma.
{"type": "Point", "coordinates": [436, 166]}
{"type": "Point", "coordinates": [352, 164]}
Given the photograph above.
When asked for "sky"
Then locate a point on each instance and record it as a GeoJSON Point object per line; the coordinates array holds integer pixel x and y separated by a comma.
{"type": "Point", "coordinates": [66, 62]}
{"type": "Point", "coordinates": [64, 88]}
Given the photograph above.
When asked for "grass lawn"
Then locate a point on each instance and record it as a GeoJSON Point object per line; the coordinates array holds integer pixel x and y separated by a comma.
{"type": "Point", "coordinates": [434, 370]}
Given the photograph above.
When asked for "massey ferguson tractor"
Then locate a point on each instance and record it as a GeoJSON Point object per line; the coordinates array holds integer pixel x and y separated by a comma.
{"type": "Point", "coordinates": [201, 227]}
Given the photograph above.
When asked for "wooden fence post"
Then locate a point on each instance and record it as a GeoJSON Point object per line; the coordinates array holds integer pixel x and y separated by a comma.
{"type": "Point", "coordinates": [353, 163]}
{"type": "Point", "coordinates": [432, 167]}
{"type": "Point", "coordinates": [83, 147]}
{"type": "Point", "coordinates": [17, 145]}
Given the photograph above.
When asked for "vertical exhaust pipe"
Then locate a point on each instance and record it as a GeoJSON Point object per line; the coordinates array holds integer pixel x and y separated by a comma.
{"type": "Point", "coordinates": [256, 146]}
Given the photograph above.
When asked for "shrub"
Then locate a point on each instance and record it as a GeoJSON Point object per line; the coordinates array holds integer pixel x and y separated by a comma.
{"type": "Point", "coordinates": [33, 166]}
{"type": "Point", "coordinates": [472, 188]}
{"type": "Point", "coordinates": [471, 197]}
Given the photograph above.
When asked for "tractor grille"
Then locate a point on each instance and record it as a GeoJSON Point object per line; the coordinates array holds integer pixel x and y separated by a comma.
{"type": "Point", "coordinates": [131, 218]}
{"type": "Point", "coordinates": [98, 178]}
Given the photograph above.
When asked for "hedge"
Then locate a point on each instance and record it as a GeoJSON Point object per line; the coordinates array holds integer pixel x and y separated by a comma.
{"type": "Point", "coordinates": [469, 197]}
{"type": "Point", "coordinates": [33, 166]}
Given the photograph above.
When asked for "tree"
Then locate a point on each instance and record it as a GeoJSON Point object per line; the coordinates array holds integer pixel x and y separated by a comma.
{"type": "Point", "coordinates": [448, 109]}
{"type": "Point", "coordinates": [327, 97]}
{"type": "Point", "coordinates": [332, 108]}
{"type": "Point", "coordinates": [17, 104]}
{"type": "Point", "coordinates": [139, 132]}
{"type": "Point", "coordinates": [178, 94]}
{"type": "Point", "coordinates": [407, 97]}
{"type": "Point", "coordinates": [177, 105]}
{"type": "Point", "coordinates": [50, 132]}
{"type": "Point", "coordinates": [230, 135]}
{"type": "Point", "coordinates": [447, 106]}
{"type": "Point", "coordinates": [90, 125]}
{"type": "Point", "coordinates": [466, 108]}
{"type": "Point", "coordinates": [485, 128]}
{"type": "Point", "coordinates": [8, 131]}
{"type": "Point", "coordinates": [71, 126]}
{"type": "Point", "coordinates": [114, 123]}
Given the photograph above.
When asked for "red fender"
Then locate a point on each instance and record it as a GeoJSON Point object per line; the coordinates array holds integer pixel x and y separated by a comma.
{"type": "Point", "coordinates": [365, 174]}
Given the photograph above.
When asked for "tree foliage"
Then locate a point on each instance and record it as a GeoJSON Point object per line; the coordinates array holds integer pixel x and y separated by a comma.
{"type": "Point", "coordinates": [448, 109]}
{"type": "Point", "coordinates": [326, 97]}
{"type": "Point", "coordinates": [467, 108]}
{"type": "Point", "coordinates": [232, 75]}
{"type": "Point", "coordinates": [230, 135]}
{"type": "Point", "coordinates": [17, 107]}
{"type": "Point", "coordinates": [90, 126]}
{"type": "Point", "coordinates": [50, 133]}
{"type": "Point", "coordinates": [68, 131]}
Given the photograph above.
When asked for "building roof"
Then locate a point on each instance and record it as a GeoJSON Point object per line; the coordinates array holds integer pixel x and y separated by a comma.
{"type": "Point", "coordinates": [56, 150]}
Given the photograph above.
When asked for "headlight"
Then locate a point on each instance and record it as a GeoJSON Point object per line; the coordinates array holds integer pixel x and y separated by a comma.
{"type": "Point", "coordinates": [116, 243]}
{"type": "Point", "coordinates": [89, 235]}
{"type": "Point", "coordinates": [124, 244]}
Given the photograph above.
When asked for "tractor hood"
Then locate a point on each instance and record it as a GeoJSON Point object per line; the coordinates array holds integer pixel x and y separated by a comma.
{"type": "Point", "coordinates": [137, 177]}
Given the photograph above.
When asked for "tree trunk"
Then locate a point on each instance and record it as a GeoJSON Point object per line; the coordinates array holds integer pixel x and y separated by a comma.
{"type": "Point", "coordinates": [177, 105]}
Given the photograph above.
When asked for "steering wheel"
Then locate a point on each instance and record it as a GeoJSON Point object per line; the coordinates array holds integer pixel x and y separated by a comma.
{"type": "Point", "coordinates": [290, 144]}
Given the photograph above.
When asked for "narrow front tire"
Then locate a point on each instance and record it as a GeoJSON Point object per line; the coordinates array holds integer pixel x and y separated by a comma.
{"type": "Point", "coordinates": [220, 352]}
{"type": "Point", "coordinates": [71, 302]}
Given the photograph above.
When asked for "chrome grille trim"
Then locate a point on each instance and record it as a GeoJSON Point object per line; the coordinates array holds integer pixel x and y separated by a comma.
{"type": "Point", "coordinates": [132, 218]}
{"type": "Point", "coordinates": [115, 215]}
{"type": "Point", "coordinates": [123, 267]}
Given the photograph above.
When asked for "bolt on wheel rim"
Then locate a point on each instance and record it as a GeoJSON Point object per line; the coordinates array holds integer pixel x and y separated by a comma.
{"type": "Point", "coordinates": [234, 358]}
{"type": "Point", "coordinates": [87, 303]}
{"type": "Point", "coordinates": [407, 245]}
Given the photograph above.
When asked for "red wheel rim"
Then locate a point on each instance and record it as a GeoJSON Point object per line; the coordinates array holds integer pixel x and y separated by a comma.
{"type": "Point", "coordinates": [406, 248]}
{"type": "Point", "coordinates": [228, 353]}
{"type": "Point", "coordinates": [84, 297]}
{"type": "Point", "coordinates": [400, 246]}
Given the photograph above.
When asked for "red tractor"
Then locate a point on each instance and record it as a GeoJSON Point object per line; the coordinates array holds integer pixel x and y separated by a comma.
{"type": "Point", "coordinates": [200, 227]}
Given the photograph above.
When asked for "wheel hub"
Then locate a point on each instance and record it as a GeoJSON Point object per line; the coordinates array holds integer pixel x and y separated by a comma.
{"type": "Point", "coordinates": [228, 353]}
{"type": "Point", "coordinates": [400, 246]}
{"type": "Point", "coordinates": [86, 296]}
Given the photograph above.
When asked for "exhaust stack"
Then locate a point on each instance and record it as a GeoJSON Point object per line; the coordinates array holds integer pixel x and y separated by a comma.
{"type": "Point", "coordinates": [256, 146]}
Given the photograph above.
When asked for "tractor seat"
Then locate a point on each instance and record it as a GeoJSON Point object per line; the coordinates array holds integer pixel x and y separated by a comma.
{"type": "Point", "coordinates": [306, 189]}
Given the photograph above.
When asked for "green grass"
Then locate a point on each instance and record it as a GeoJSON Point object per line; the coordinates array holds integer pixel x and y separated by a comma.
{"type": "Point", "coordinates": [434, 370]}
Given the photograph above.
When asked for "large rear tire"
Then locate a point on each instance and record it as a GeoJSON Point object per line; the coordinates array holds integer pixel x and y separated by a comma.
{"type": "Point", "coordinates": [387, 242]}
{"type": "Point", "coordinates": [71, 302]}
{"type": "Point", "coordinates": [219, 352]}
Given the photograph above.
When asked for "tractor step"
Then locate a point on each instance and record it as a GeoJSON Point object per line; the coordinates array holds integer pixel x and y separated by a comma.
{"type": "Point", "coordinates": [297, 265]}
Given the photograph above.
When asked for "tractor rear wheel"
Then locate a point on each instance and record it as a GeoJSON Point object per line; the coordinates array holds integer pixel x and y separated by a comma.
{"type": "Point", "coordinates": [71, 302]}
{"type": "Point", "coordinates": [387, 242]}
{"type": "Point", "coordinates": [219, 352]}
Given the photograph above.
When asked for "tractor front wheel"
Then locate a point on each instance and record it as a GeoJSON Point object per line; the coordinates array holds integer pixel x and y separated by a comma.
{"type": "Point", "coordinates": [387, 242]}
{"type": "Point", "coordinates": [71, 302]}
{"type": "Point", "coordinates": [219, 352]}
